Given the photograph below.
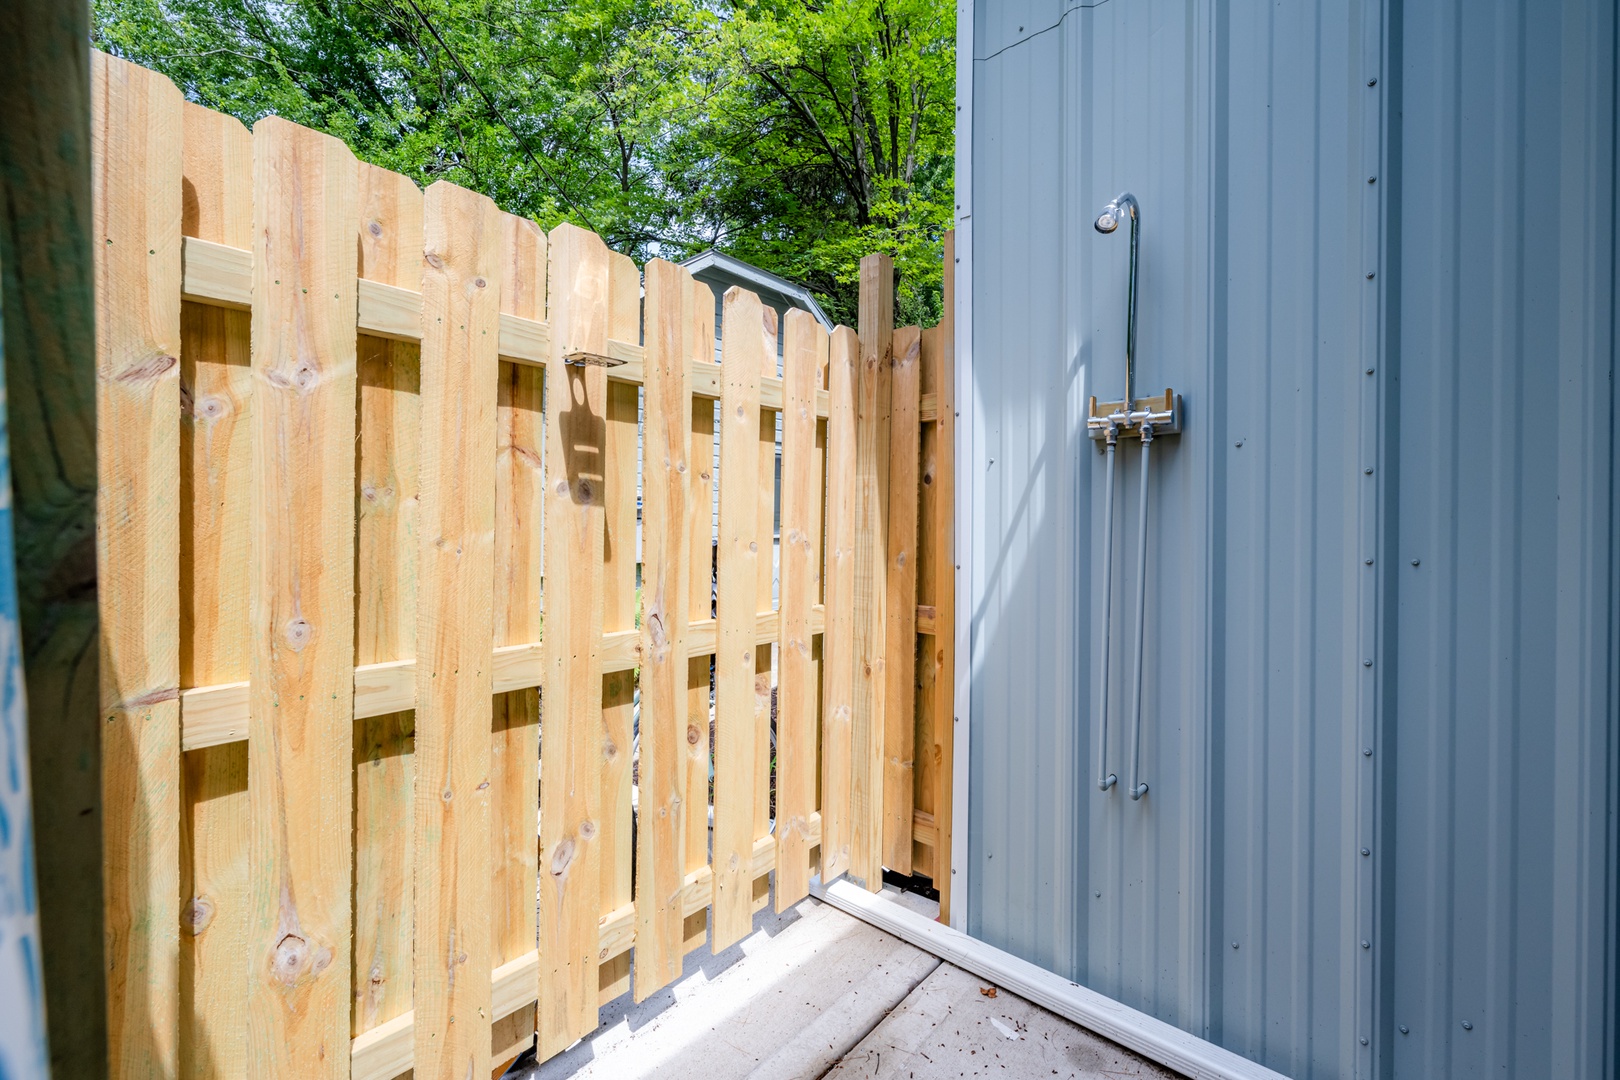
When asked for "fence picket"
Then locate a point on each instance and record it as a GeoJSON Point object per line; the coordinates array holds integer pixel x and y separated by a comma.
{"type": "Point", "coordinates": [702, 568]}
{"type": "Point", "coordinates": [870, 599]}
{"type": "Point", "coordinates": [803, 355]}
{"type": "Point", "coordinates": [306, 212]}
{"type": "Point", "coordinates": [571, 698]}
{"type": "Point", "coordinates": [661, 836]}
{"type": "Point", "coordinates": [941, 525]}
{"type": "Point", "coordinates": [519, 504]}
{"type": "Point", "coordinates": [765, 581]}
{"type": "Point", "coordinates": [215, 459]}
{"type": "Point", "coordinates": [619, 614]}
{"type": "Point", "coordinates": [900, 649]}
{"type": "Point", "coordinates": [136, 134]}
{"type": "Point", "coordinates": [461, 290]}
{"type": "Point", "coordinates": [736, 721]}
{"type": "Point", "coordinates": [838, 650]}
{"type": "Point", "coordinates": [387, 490]}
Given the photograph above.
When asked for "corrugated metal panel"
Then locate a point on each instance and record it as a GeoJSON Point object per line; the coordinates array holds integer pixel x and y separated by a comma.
{"type": "Point", "coordinates": [1476, 184]}
{"type": "Point", "coordinates": [1503, 594]}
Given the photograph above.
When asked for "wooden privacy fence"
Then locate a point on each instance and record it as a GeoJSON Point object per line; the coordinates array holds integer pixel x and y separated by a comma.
{"type": "Point", "coordinates": [372, 807]}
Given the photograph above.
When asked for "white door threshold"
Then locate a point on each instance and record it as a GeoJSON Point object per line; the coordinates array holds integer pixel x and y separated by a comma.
{"type": "Point", "coordinates": [1152, 1038]}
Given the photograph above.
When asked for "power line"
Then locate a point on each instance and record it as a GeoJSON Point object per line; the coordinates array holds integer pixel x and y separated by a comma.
{"type": "Point", "coordinates": [499, 115]}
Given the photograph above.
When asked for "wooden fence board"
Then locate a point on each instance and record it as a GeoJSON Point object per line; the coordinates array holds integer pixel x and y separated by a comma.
{"type": "Point", "coordinates": [461, 291]}
{"type": "Point", "coordinates": [870, 596]}
{"type": "Point", "coordinates": [803, 356]}
{"type": "Point", "coordinates": [736, 726]}
{"type": "Point", "coordinates": [300, 754]}
{"type": "Point", "coordinates": [136, 133]}
{"type": "Point", "coordinates": [925, 781]}
{"type": "Point", "coordinates": [571, 700]}
{"type": "Point", "coordinates": [900, 650]}
{"type": "Point", "coordinates": [941, 525]}
{"type": "Point", "coordinates": [519, 509]}
{"type": "Point", "coordinates": [661, 837]}
{"type": "Point", "coordinates": [700, 604]}
{"type": "Point", "coordinates": [838, 649]}
{"type": "Point", "coordinates": [387, 487]}
{"type": "Point", "coordinates": [216, 461]}
{"type": "Point", "coordinates": [765, 581]}
{"type": "Point", "coordinates": [619, 614]}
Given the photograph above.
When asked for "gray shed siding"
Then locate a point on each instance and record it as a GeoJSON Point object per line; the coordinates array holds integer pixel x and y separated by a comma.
{"type": "Point", "coordinates": [1475, 182]}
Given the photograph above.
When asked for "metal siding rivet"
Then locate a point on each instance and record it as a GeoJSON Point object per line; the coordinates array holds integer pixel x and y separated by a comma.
{"type": "Point", "coordinates": [1365, 853]}
{"type": "Point", "coordinates": [1366, 944]}
{"type": "Point", "coordinates": [1234, 944]}
{"type": "Point", "coordinates": [1416, 561]}
{"type": "Point", "coordinates": [1367, 471]}
{"type": "Point", "coordinates": [1467, 1026]}
{"type": "Point", "coordinates": [1372, 82]}
{"type": "Point", "coordinates": [1405, 1030]}
{"type": "Point", "coordinates": [1364, 1040]}
{"type": "Point", "coordinates": [1367, 662]}
{"type": "Point", "coordinates": [1369, 275]}
{"type": "Point", "coordinates": [1366, 751]}
{"type": "Point", "coordinates": [1369, 562]}
{"type": "Point", "coordinates": [1372, 179]}
{"type": "Point", "coordinates": [1369, 371]}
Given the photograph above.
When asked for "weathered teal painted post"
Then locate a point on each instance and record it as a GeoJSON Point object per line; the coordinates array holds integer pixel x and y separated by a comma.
{"type": "Point", "coordinates": [22, 989]}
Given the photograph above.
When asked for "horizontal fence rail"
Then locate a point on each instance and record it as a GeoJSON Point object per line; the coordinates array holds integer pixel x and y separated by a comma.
{"type": "Point", "coordinates": [433, 687]}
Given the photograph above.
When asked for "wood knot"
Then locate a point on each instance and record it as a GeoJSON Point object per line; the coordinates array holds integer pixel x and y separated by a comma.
{"type": "Point", "coordinates": [147, 369]}
{"type": "Point", "coordinates": [375, 229]}
{"type": "Point", "coordinates": [479, 283]}
{"type": "Point", "coordinates": [306, 376]}
{"type": "Point", "coordinates": [197, 914]}
{"type": "Point", "coordinates": [433, 259]}
{"type": "Point", "coordinates": [290, 960]}
{"type": "Point", "coordinates": [586, 492]}
{"type": "Point", "coordinates": [298, 634]}
{"type": "Point", "coordinates": [562, 856]}
{"type": "Point", "coordinates": [692, 735]}
{"type": "Point", "coordinates": [587, 829]}
{"type": "Point", "coordinates": [211, 408]}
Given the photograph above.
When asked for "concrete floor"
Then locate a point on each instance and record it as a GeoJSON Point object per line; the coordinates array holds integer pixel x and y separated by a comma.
{"type": "Point", "coordinates": [816, 993]}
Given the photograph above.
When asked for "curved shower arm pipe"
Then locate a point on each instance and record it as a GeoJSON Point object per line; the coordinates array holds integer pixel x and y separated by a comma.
{"type": "Point", "coordinates": [1125, 203]}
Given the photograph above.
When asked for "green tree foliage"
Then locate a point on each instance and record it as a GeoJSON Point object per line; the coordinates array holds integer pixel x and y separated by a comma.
{"type": "Point", "coordinates": [796, 134]}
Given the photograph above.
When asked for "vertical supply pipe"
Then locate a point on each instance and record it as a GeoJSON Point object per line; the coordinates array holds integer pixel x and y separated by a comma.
{"type": "Point", "coordinates": [1139, 789]}
{"type": "Point", "coordinates": [1106, 779]}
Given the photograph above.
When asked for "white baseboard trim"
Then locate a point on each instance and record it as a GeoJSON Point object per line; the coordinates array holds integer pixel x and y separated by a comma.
{"type": "Point", "coordinates": [1152, 1038]}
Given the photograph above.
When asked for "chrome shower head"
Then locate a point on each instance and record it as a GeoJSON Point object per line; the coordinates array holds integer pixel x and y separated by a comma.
{"type": "Point", "coordinates": [1115, 212]}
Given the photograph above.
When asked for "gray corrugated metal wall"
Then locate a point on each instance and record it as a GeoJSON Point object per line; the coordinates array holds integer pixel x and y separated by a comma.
{"type": "Point", "coordinates": [1477, 656]}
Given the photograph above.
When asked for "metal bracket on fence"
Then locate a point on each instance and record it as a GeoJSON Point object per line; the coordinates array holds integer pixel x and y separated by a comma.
{"type": "Point", "coordinates": [1106, 423]}
{"type": "Point", "coordinates": [582, 358]}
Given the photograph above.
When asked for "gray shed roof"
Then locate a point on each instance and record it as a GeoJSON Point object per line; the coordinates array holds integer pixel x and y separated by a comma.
{"type": "Point", "coordinates": [721, 271]}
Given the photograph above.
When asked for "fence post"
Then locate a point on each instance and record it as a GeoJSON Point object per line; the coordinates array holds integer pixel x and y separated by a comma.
{"type": "Point", "coordinates": [870, 599]}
